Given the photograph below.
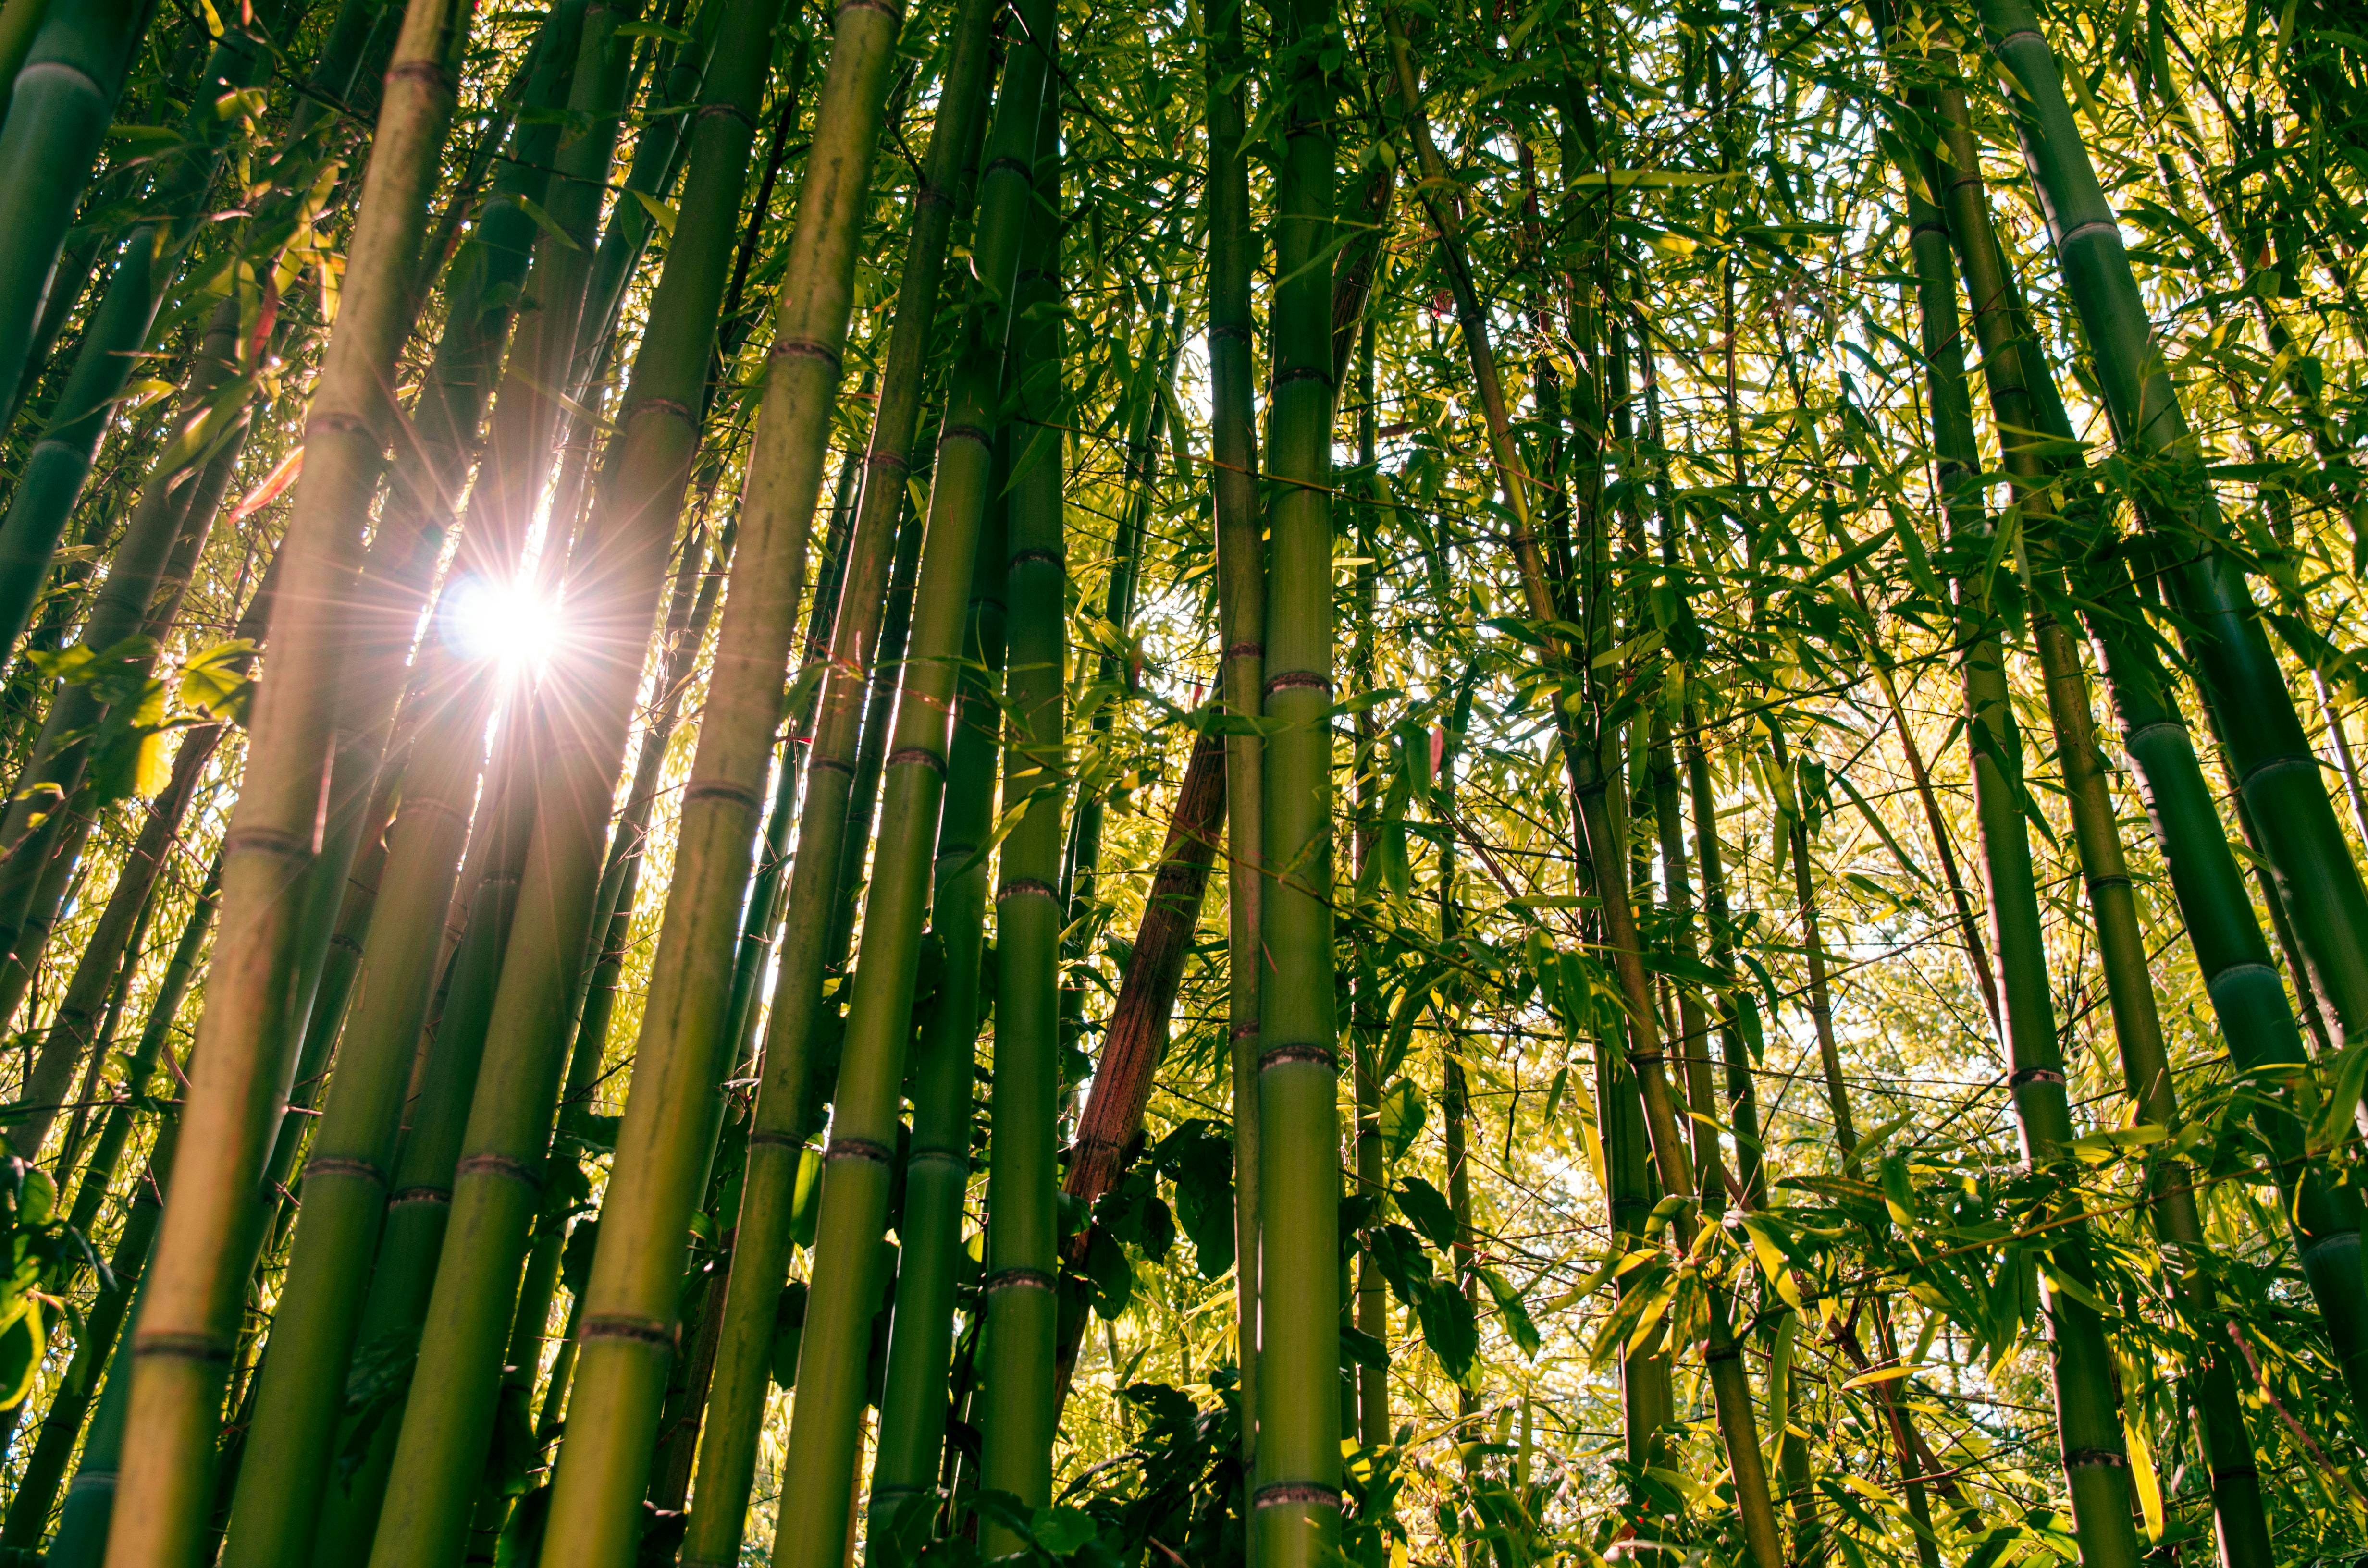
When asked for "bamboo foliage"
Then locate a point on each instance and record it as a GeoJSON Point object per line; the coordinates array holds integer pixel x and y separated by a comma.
{"type": "Point", "coordinates": [1509, 481]}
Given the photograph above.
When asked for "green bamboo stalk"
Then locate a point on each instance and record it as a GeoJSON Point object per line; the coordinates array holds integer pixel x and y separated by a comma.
{"type": "Point", "coordinates": [692, 602]}
{"type": "Point", "coordinates": [2236, 1502]}
{"type": "Point", "coordinates": [74, 1033]}
{"type": "Point", "coordinates": [190, 1315]}
{"type": "Point", "coordinates": [666, 1143]}
{"type": "Point", "coordinates": [659, 151]}
{"type": "Point", "coordinates": [885, 637]}
{"type": "Point", "coordinates": [59, 107]}
{"type": "Point", "coordinates": [279, 1508]}
{"type": "Point", "coordinates": [278, 1505]}
{"type": "Point", "coordinates": [2240, 973]}
{"type": "Point", "coordinates": [760, 929]}
{"type": "Point", "coordinates": [1793, 1455]}
{"type": "Point", "coordinates": [62, 1426]}
{"type": "Point", "coordinates": [59, 464]}
{"type": "Point", "coordinates": [878, 712]}
{"type": "Point", "coordinates": [1604, 847]}
{"type": "Point", "coordinates": [2088, 1412]}
{"type": "Point", "coordinates": [1367, 1017]}
{"type": "Point", "coordinates": [36, 826]}
{"type": "Point", "coordinates": [2012, 365]}
{"type": "Point", "coordinates": [20, 23]}
{"type": "Point", "coordinates": [1155, 376]}
{"type": "Point", "coordinates": [912, 1402]}
{"type": "Point", "coordinates": [1241, 630]}
{"type": "Point", "coordinates": [2231, 951]}
{"type": "Point", "coordinates": [483, 289]}
{"type": "Point", "coordinates": [1295, 1506]}
{"type": "Point", "coordinates": [1018, 1301]}
{"type": "Point", "coordinates": [2267, 750]}
{"type": "Point", "coordinates": [419, 1210]}
{"type": "Point", "coordinates": [843, 1288]}
{"type": "Point", "coordinates": [447, 1420]}
{"type": "Point", "coordinates": [781, 1121]}
{"type": "Point", "coordinates": [418, 1203]}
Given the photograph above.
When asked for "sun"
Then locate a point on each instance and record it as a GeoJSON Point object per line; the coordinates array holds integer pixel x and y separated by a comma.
{"type": "Point", "coordinates": [512, 627]}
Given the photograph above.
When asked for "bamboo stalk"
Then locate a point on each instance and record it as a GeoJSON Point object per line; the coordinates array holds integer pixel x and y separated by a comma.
{"type": "Point", "coordinates": [1018, 1301]}
{"type": "Point", "coordinates": [493, 1130]}
{"type": "Point", "coordinates": [59, 106]}
{"type": "Point", "coordinates": [2268, 752]}
{"type": "Point", "coordinates": [913, 1401]}
{"type": "Point", "coordinates": [62, 1427]}
{"type": "Point", "coordinates": [190, 1315]}
{"type": "Point", "coordinates": [1604, 848]}
{"type": "Point", "coordinates": [779, 1124]}
{"type": "Point", "coordinates": [1295, 1506]}
{"type": "Point", "coordinates": [277, 1514]}
{"type": "Point", "coordinates": [844, 1288]}
{"type": "Point", "coordinates": [669, 1127]}
{"type": "Point", "coordinates": [59, 464]}
{"type": "Point", "coordinates": [1234, 251]}
{"type": "Point", "coordinates": [2088, 1415]}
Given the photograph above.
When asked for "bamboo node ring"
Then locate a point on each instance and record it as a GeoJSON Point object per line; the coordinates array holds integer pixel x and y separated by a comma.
{"type": "Point", "coordinates": [502, 1165]}
{"type": "Point", "coordinates": [183, 1346]}
{"type": "Point", "coordinates": [330, 1164]}
{"type": "Point", "coordinates": [2035, 1075]}
{"type": "Point", "coordinates": [642, 1330]}
{"type": "Point", "coordinates": [964, 433]}
{"type": "Point", "coordinates": [1029, 885]}
{"type": "Point", "coordinates": [769, 1139]}
{"type": "Point", "coordinates": [1039, 557]}
{"type": "Point", "coordinates": [1283, 1493]}
{"type": "Point", "coordinates": [262, 841]}
{"type": "Point", "coordinates": [1015, 1280]}
{"type": "Point", "coordinates": [1243, 1031]}
{"type": "Point", "coordinates": [921, 755]}
{"type": "Point", "coordinates": [1247, 651]}
{"type": "Point", "coordinates": [806, 347]}
{"type": "Point", "coordinates": [2097, 1456]}
{"type": "Point", "coordinates": [721, 789]}
{"type": "Point", "coordinates": [425, 72]}
{"type": "Point", "coordinates": [1285, 1055]}
{"type": "Point", "coordinates": [857, 1149]}
{"type": "Point", "coordinates": [1292, 681]}
{"type": "Point", "coordinates": [420, 1195]}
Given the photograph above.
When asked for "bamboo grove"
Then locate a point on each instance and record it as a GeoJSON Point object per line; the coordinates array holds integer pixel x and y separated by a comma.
{"type": "Point", "coordinates": [1203, 785]}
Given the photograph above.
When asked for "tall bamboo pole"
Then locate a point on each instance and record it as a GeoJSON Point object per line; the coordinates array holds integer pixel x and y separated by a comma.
{"type": "Point", "coordinates": [190, 1312]}
{"type": "Point", "coordinates": [42, 829]}
{"type": "Point", "coordinates": [1295, 1506]}
{"type": "Point", "coordinates": [844, 1289]}
{"type": "Point", "coordinates": [913, 1401]}
{"type": "Point", "coordinates": [669, 1127]}
{"type": "Point", "coordinates": [2268, 752]}
{"type": "Point", "coordinates": [59, 105]}
{"type": "Point", "coordinates": [60, 461]}
{"type": "Point", "coordinates": [282, 1477]}
{"type": "Point", "coordinates": [2088, 1414]}
{"type": "Point", "coordinates": [522, 1022]}
{"type": "Point", "coordinates": [1019, 1304]}
{"type": "Point", "coordinates": [1234, 250]}
{"type": "Point", "coordinates": [2011, 365]}
{"type": "Point", "coordinates": [781, 1120]}
{"type": "Point", "coordinates": [95, 1365]}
